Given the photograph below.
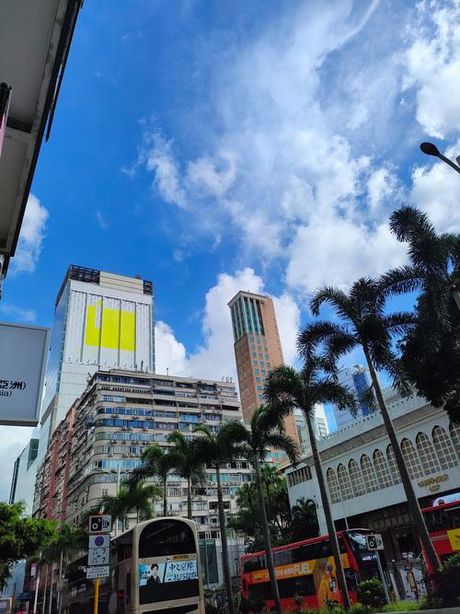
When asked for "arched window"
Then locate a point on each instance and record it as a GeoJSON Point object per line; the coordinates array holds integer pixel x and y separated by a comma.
{"type": "Point", "coordinates": [356, 478]}
{"type": "Point", "coordinates": [344, 482]}
{"type": "Point", "coordinates": [455, 435]}
{"type": "Point", "coordinates": [382, 470]}
{"type": "Point", "coordinates": [333, 485]}
{"type": "Point", "coordinates": [444, 448]}
{"type": "Point", "coordinates": [392, 465]}
{"type": "Point", "coordinates": [369, 477]}
{"type": "Point", "coordinates": [427, 454]}
{"type": "Point", "coordinates": [411, 459]}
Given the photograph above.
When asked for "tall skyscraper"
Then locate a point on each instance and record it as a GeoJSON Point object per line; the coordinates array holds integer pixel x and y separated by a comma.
{"type": "Point", "coordinates": [357, 379]}
{"type": "Point", "coordinates": [101, 320]}
{"type": "Point", "coordinates": [257, 350]}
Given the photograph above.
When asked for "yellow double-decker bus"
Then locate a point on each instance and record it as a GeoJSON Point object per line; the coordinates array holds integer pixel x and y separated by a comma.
{"type": "Point", "coordinates": [154, 569]}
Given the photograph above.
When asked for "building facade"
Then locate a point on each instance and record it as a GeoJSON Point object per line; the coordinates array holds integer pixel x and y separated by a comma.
{"type": "Point", "coordinates": [357, 379]}
{"type": "Point", "coordinates": [364, 484]}
{"type": "Point", "coordinates": [320, 427]}
{"type": "Point", "coordinates": [101, 320]}
{"type": "Point", "coordinates": [23, 480]}
{"type": "Point", "coordinates": [118, 416]}
{"type": "Point", "coordinates": [257, 348]}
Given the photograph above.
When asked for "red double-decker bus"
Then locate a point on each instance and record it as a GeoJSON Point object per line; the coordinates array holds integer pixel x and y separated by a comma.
{"type": "Point", "coordinates": [443, 523]}
{"type": "Point", "coordinates": [305, 571]}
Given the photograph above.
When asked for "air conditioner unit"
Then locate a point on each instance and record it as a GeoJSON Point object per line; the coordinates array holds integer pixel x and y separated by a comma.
{"type": "Point", "coordinates": [125, 455]}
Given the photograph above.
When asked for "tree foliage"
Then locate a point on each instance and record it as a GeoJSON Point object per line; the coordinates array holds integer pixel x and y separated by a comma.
{"type": "Point", "coordinates": [431, 350]}
{"type": "Point", "coordinates": [22, 537]}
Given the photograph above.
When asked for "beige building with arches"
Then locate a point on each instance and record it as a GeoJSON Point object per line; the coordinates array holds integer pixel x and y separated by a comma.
{"type": "Point", "coordinates": [360, 469]}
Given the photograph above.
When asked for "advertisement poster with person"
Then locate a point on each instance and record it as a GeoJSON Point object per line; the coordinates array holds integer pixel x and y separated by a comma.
{"type": "Point", "coordinates": [326, 581]}
{"type": "Point", "coordinates": [174, 579]}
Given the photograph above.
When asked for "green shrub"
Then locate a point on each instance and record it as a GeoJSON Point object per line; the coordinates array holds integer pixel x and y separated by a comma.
{"type": "Point", "coordinates": [447, 582]}
{"type": "Point", "coordinates": [371, 593]}
{"type": "Point", "coordinates": [358, 608]}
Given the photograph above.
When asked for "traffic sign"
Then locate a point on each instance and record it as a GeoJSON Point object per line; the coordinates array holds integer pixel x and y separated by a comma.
{"type": "Point", "coordinates": [97, 572]}
{"type": "Point", "coordinates": [374, 541]}
{"type": "Point", "coordinates": [100, 524]}
{"type": "Point", "coordinates": [99, 541]}
{"type": "Point", "coordinates": [98, 556]}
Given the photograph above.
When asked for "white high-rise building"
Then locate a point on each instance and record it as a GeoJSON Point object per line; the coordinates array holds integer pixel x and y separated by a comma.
{"type": "Point", "coordinates": [320, 427]}
{"type": "Point", "coordinates": [101, 320]}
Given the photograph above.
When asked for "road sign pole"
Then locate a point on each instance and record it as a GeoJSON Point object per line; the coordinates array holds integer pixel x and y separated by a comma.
{"type": "Point", "coordinates": [96, 596]}
{"type": "Point", "coordinates": [382, 577]}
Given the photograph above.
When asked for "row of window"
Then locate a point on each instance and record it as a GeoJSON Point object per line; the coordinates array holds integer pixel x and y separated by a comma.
{"type": "Point", "coordinates": [428, 456]}
{"type": "Point", "coordinates": [299, 475]}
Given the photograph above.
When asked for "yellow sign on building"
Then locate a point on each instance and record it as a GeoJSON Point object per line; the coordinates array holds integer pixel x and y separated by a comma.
{"type": "Point", "coordinates": [117, 329]}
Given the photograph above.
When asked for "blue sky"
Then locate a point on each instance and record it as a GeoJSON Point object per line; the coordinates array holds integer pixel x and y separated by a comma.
{"type": "Point", "coordinates": [214, 146]}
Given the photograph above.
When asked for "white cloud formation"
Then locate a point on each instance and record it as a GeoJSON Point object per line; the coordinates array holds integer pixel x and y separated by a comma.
{"type": "Point", "coordinates": [215, 358]}
{"type": "Point", "coordinates": [30, 238]}
{"type": "Point", "coordinates": [103, 223]}
{"type": "Point", "coordinates": [433, 66]}
{"type": "Point", "coordinates": [17, 314]}
{"type": "Point", "coordinates": [13, 439]}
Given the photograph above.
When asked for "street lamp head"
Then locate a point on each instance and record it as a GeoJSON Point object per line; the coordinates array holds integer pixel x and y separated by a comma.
{"type": "Point", "coordinates": [430, 149]}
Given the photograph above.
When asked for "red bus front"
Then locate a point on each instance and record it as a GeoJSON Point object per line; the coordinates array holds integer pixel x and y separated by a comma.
{"type": "Point", "coordinates": [443, 523]}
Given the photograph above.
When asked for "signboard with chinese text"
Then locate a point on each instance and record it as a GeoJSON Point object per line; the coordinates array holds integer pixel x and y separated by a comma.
{"type": "Point", "coordinates": [22, 371]}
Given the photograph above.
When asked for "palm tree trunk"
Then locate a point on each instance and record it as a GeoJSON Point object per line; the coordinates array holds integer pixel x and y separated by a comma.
{"type": "Point", "coordinates": [412, 501]}
{"type": "Point", "coordinates": [165, 496]}
{"type": "Point", "coordinates": [223, 538]}
{"type": "Point", "coordinates": [50, 602]}
{"type": "Point", "coordinates": [189, 499]}
{"type": "Point", "coordinates": [267, 538]}
{"type": "Point", "coordinates": [37, 587]}
{"type": "Point", "coordinates": [328, 514]}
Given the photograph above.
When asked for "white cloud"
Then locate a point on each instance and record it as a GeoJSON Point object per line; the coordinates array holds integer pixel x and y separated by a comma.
{"type": "Point", "coordinates": [30, 238]}
{"type": "Point", "coordinates": [17, 314]}
{"type": "Point", "coordinates": [13, 439]}
{"type": "Point", "coordinates": [103, 223]}
{"type": "Point", "coordinates": [215, 359]}
{"type": "Point", "coordinates": [433, 66]}
{"type": "Point", "coordinates": [159, 159]}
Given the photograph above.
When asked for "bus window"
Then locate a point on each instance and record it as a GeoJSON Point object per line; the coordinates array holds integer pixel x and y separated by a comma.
{"type": "Point", "coordinates": [443, 519]}
{"type": "Point", "coordinates": [166, 537]}
{"type": "Point", "coordinates": [359, 546]}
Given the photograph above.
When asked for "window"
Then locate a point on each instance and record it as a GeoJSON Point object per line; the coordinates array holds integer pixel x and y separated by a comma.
{"type": "Point", "coordinates": [382, 470]}
{"type": "Point", "coordinates": [411, 459]}
{"type": "Point", "coordinates": [333, 486]}
{"type": "Point", "coordinates": [344, 482]}
{"type": "Point", "coordinates": [392, 465]}
{"type": "Point", "coordinates": [356, 478]}
{"type": "Point", "coordinates": [427, 454]}
{"type": "Point", "coordinates": [166, 537]}
{"type": "Point", "coordinates": [369, 477]}
{"type": "Point", "coordinates": [455, 435]}
{"type": "Point", "coordinates": [444, 448]}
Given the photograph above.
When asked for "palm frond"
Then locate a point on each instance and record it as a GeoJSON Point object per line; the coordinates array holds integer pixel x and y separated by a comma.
{"type": "Point", "coordinates": [283, 442]}
{"type": "Point", "coordinates": [401, 280]}
{"type": "Point", "coordinates": [338, 300]}
{"type": "Point", "coordinates": [314, 335]}
{"type": "Point", "coordinates": [399, 323]}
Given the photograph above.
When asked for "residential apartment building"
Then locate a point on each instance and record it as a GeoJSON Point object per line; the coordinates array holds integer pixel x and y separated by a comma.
{"type": "Point", "coordinates": [364, 484]}
{"type": "Point", "coordinates": [119, 415]}
{"type": "Point", "coordinates": [257, 350]}
{"type": "Point", "coordinates": [50, 496]}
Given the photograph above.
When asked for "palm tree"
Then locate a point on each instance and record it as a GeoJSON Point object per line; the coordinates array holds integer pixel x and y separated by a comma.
{"type": "Point", "coordinates": [365, 324]}
{"type": "Point", "coordinates": [304, 389]}
{"type": "Point", "coordinates": [138, 496]}
{"type": "Point", "coordinates": [213, 450]}
{"type": "Point", "coordinates": [266, 430]}
{"type": "Point", "coordinates": [431, 352]}
{"type": "Point", "coordinates": [187, 463]}
{"type": "Point", "coordinates": [304, 519]}
{"type": "Point", "coordinates": [156, 461]}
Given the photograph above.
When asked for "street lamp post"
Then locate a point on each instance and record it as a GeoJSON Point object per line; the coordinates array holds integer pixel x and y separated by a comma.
{"type": "Point", "coordinates": [431, 150]}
